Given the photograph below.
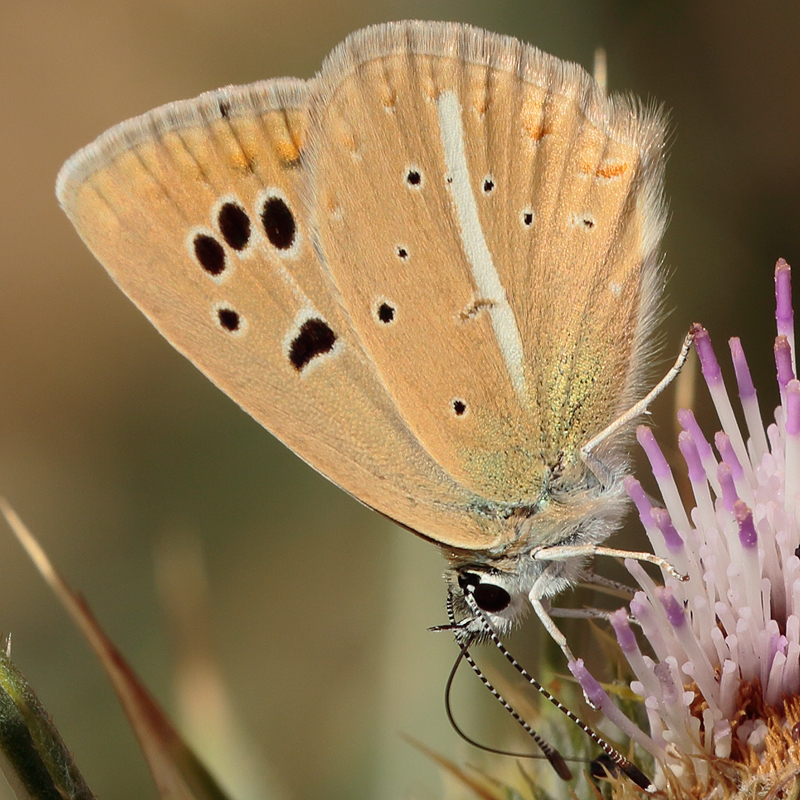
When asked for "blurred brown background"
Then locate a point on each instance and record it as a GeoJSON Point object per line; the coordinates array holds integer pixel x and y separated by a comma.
{"type": "Point", "coordinates": [111, 445]}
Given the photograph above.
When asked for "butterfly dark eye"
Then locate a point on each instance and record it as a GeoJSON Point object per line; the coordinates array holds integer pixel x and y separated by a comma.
{"type": "Point", "coordinates": [488, 186]}
{"type": "Point", "coordinates": [491, 597]}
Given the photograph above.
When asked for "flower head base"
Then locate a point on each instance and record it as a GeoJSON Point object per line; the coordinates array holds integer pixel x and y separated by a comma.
{"type": "Point", "coordinates": [722, 686]}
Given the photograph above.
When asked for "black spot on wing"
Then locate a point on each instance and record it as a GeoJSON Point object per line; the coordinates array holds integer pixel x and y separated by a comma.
{"type": "Point", "coordinates": [385, 313]}
{"type": "Point", "coordinates": [413, 177]}
{"type": "Point", "coordinates": [279, 223]}
{"type": "Point", "coordinates": [210, 253]}
{"type": "Point", "coordinates": [229, 319]}
{"type": "Point", "coordinates": [315, 338]}
{"type": "Point", "coordinates": [234, 224]}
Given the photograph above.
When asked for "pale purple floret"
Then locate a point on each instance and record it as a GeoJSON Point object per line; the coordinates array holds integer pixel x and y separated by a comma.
{"type": "Point", "coordinates": [723, 443]}
{"type": "Point", "coordinates": [749, 398]}
{"type": "Point", "coordinates": [673, 608]}
{"type": "Point", "coordinates": [672, 538]}
{"type": "Point", "coordinates": [783, 361]}
{"type": "Point", "coordinates": [692, 457]}
{"type": "Point", "coordinates": [793, 408]}
{"type": "Point", "coordinates": [719, 395]}
{"type": "Point", "coordinates": [708, 360]}
{"type": "Point", "coordinates": [598, 697]}
{"type": "Point", "coordinates": [591, 688]}
{"type": "Point", "coordinates": [640, 500]}
{"type": "Point", "coordinates": [648, 442]}
{"type": "Point", "coordinates": [744, 381]}
{"type": "Point", "coordinates": [663, 475]}
{"type": "Point", "coordinates": [784, 313]}
{"type": "Point", "coordinates": [747, 529]}
{"type": "Point", "coordinates": [725, 478]}
{"type": "Point", "coordinates": [687, 421]}
{"type": "Point", "coordinates": [625, 635]}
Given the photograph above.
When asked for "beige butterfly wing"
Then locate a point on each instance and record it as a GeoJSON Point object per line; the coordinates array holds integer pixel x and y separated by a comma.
{"type": "Point", "coordinates": [195, 211]}
{"type": "Point", "coordinates": [492, 222]}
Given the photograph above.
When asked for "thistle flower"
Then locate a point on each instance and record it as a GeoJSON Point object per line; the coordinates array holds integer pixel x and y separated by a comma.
{"type": "Point", "coordinates": [721, 682]}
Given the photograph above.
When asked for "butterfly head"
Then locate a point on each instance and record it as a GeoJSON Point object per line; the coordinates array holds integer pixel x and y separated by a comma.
{"type": "Point", "coordinates": [502, 596]}
{"type": "Point", "coordinates": [503, 584]}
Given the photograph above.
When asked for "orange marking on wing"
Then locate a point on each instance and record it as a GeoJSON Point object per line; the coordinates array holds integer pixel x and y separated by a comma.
{"type": "Point", "coordinates": [536, 131]}
{"type": "Point", "coordinates": [613, 170]}
{"type": "Point", "coordinates": [287, 150]}
{"type": "Point", "coordinates": [389, 99]}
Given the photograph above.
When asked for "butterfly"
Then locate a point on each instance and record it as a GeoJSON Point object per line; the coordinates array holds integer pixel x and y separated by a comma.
{"type": "Point", "coordinates": [432, 271]}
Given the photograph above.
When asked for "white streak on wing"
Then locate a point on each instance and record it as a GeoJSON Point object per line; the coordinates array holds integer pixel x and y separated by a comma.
{"type": "Point", "coordinates": [475, 247]}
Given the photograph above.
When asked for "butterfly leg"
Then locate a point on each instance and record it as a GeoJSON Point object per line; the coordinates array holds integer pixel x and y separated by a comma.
{"type": "Point", "coordinates": [599, 583]}
{"type": "Point", "coordinates": [638, 409]}
{"type": "Point", "coordinates": [583, 550]}
{"type": "Point", "coordinates": [542, 587]}
{"type": "Point", "coordinates": [580, 613]}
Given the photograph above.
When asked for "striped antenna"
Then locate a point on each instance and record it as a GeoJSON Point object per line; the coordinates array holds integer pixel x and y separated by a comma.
{"type": "Point", "coordinates": [549, 752]}
{"type": "Point", "coordinates": [625, 765]}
